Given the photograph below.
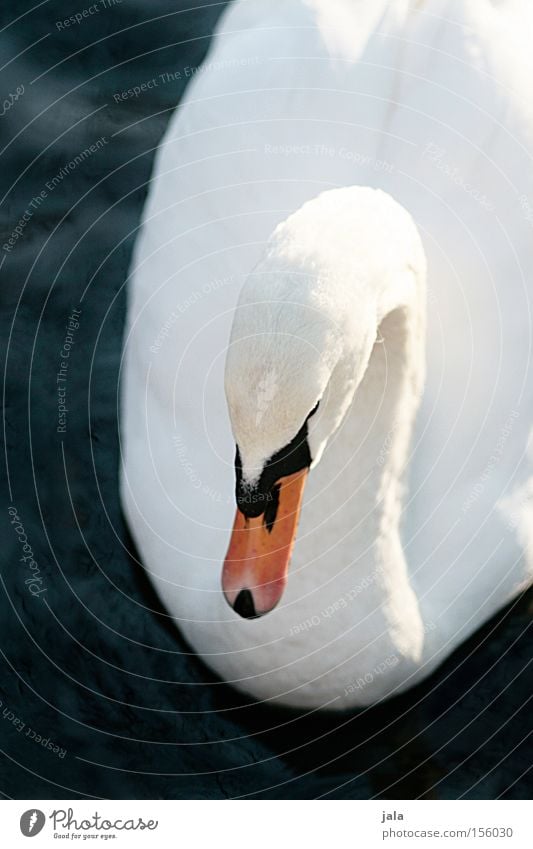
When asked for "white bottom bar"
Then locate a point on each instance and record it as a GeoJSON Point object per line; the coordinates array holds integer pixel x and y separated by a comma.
{"type": "Point", "coordinates": [268, 824]}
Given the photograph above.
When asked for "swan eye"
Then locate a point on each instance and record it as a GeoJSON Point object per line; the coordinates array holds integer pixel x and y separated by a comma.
{"type": "Point", "coordinates": [313, 411]}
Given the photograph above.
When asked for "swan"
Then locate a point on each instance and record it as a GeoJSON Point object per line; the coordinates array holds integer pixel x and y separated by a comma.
{"type": "Point", "coordinates": [327, 400]}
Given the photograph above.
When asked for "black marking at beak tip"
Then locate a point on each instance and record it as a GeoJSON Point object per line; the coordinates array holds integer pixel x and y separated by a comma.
{"type": "Point", "coordinates": [244, 605]}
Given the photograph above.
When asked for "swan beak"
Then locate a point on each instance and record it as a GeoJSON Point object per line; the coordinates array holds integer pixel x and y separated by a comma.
{"type": "Point", "coordinates": [257, 563]}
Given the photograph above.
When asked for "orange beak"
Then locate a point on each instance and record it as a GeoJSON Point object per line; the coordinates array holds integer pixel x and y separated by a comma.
{"type": "Point", "coordinates": [257, 563]}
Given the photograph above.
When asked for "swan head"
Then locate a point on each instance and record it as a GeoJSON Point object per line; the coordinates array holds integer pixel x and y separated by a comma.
{"type": "Point", "coordinates": [291, 372]}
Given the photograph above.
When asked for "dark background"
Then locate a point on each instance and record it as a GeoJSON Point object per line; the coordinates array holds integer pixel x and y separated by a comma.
{"type": "Point", "coordinates": [93, 663]}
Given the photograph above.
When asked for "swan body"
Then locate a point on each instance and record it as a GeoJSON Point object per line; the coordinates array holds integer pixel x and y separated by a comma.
{"type": "Point", "coordinates": [324, 155]}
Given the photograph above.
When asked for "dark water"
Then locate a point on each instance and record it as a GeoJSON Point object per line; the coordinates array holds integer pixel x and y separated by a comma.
{"type": "Point", "coordinates": [90, 664]}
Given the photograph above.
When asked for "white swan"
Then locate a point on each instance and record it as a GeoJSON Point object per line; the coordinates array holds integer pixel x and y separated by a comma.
{"type": "Point", "coordinates": [297, 106]}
